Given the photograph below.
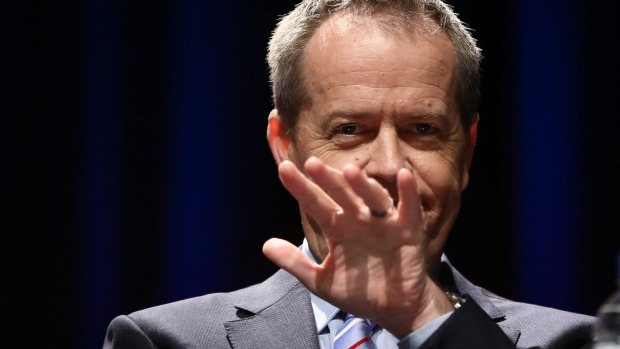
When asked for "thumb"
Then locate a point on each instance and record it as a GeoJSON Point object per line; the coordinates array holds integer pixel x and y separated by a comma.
{"type": "Point", "coordinates": [290, 258]}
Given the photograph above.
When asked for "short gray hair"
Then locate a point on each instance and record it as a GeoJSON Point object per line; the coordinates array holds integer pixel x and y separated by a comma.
{"type": "Point", "coordinates": [290, 38]}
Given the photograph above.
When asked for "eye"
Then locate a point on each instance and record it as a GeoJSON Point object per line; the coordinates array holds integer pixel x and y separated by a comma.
{"type": "Point", "coordinates": [348, 129]}
{"type": "Point", "coordinates": [349, 135]}
{"type": "Point", "coordinates": [425, 128]}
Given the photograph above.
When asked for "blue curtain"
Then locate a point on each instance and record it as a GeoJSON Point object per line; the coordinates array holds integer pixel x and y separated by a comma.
{"type": "Point", "coordinates": [546, 124]}
{"type": "Point", "coordinates": [137, 170]}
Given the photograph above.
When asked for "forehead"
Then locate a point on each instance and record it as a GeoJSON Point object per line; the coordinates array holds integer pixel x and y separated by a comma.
{"type": "Point", "coordinates": [360, 55]}
{"type": "Point", "coordinates": [346, 33]}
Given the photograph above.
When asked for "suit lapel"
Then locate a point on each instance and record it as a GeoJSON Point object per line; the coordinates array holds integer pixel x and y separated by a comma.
{"type": "Point", "coordinates": [278, 315]}
{"type": "Point", "coordinates": [450, 277]}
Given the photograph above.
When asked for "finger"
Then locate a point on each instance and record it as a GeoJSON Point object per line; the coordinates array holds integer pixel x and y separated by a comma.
{"type": "Point", "coordinates": [333, 183]}
{"type": "Point", "coordinates": [290, 258]}
{"type": "Point", "coordinates": [310, 196]}
{"type": "Point", "coordinates": [374, 195]}
{"type": "Point", "coordinates": [409, 208]}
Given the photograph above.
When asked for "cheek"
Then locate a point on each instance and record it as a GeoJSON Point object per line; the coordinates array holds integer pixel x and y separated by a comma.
{"type": "Point", "coordinates": [336, 158]}
{"type": "Point", "coordinates": [441, 174]}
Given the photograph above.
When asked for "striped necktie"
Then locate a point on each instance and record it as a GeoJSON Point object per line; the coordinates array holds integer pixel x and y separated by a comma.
{"type": "Point", "coordinates": [355, 333]}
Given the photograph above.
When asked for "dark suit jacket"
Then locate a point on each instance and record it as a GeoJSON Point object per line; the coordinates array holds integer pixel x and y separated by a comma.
{"type": "Point", "coordinates": [277, 314]}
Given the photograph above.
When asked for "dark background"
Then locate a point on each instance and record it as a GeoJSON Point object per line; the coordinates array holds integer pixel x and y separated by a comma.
{"type": "Point", "coordinates": [135, 169]}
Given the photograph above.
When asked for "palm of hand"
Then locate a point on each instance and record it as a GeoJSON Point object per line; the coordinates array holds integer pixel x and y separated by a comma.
{"type": "Point", "coordinates": [375, 267]}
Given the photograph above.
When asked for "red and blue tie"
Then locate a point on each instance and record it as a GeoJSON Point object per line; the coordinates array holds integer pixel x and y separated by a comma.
{"type": "Point", "coordinates": [355, 333]}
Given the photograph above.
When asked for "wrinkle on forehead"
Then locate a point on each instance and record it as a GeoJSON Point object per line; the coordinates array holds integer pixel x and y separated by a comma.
{"type": "Point", "coordinates": [363, 37]}
{"type": "Point", "coordinates": [387, 24]}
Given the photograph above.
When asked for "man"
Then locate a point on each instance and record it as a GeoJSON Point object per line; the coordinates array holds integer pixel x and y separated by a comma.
{"type": "Point", "coordinates": [373, 132]}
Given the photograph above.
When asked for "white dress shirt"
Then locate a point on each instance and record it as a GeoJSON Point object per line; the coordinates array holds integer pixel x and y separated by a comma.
{"type": "Point", "coordinates": [328, 319]}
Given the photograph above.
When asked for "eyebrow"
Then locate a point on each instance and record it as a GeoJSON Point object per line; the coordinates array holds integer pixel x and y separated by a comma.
{"type": "Point", "coordinates": [357, 115]}
{"type": "Point", "coordinates": [425, 114]}
{"type": "Point", "coordinates": [347, 113]}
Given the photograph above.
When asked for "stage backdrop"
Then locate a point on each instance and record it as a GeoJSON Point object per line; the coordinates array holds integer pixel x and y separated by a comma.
{"type": "Point", "coordinates": [136, 171]}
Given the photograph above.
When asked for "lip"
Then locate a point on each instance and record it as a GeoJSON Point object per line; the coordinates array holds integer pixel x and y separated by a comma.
{"type": "Point", "coordinates": [425, 206]}
{"type": "Point", "coordinates": [425, 203]}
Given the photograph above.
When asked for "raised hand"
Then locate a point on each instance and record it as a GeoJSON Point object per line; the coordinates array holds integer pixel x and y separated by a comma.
{"type": "Point", "coordinates": [374, 266]}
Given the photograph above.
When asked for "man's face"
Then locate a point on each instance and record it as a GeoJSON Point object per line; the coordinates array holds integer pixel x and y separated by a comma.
{"type": "Point", "coordinates": [385, 102]}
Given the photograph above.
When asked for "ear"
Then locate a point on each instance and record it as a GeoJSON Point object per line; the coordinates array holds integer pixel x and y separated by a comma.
{"type": "Point", "coordinates": [278, 137]}
{"type": "Point", "coordinates": [473, 135]}
{"type": "Point", "coordinates": [469, 152]}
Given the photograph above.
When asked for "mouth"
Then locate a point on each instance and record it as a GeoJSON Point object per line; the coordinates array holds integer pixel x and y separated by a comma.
{"type": "Point", "coordinates": [426, 206]}
{"type": "Point", "coordinates": [426, 201]}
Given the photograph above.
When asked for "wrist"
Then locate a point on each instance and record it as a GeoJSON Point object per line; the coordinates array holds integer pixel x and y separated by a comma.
{"type": "Point", "coordinates": [436, 304]}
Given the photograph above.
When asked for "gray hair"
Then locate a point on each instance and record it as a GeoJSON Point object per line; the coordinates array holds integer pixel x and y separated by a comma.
{"type": "Point", "coordinates": [291, 36]}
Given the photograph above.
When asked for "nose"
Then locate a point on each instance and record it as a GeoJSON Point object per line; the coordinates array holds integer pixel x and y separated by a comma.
{"type": "Point", "coordinates": [386, 158]}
